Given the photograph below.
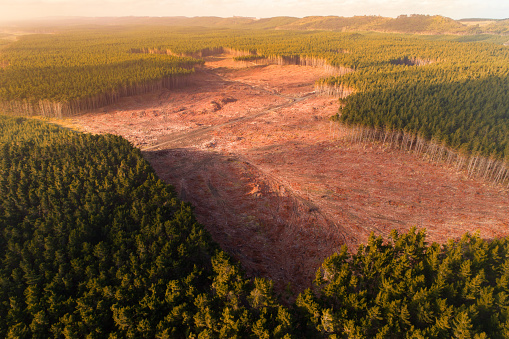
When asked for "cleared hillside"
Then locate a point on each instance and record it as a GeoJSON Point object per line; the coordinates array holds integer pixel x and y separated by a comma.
{"type": "Point", "coordinates": [276, 183]}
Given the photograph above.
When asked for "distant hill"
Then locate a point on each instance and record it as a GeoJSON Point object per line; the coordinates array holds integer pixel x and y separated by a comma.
{"type": "Point", "coordinates": [410, 24]}
{"type": "Point", "coordinates": [415, 24]}
{"type": "Point", "coordinates": [498, 27]}
{"type": "Point", "coordinates": [356, 23]}
{"type": "Point", "coordinates": [423, 24]}
{"type": "Point", "coordinates": [180, 21]}
{"type": "Point", "coordinates": [271, 23]}
{"type": "Point", "coordinates": [419, 24]}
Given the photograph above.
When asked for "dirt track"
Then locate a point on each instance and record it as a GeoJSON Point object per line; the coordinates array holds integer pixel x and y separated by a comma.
{"type": "Point", "coordinates": [253, 150]}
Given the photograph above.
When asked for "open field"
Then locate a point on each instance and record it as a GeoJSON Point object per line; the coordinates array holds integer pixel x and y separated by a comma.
{"type": "Point", "coordinates": [253, 149]}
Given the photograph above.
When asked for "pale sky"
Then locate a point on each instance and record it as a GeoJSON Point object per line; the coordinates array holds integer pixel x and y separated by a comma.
{"type": "Point", "coordinates": [456, 9]}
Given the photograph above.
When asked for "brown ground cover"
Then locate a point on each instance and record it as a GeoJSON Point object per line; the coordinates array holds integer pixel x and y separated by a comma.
{"type": "Point", "coordinates": [279, 189]}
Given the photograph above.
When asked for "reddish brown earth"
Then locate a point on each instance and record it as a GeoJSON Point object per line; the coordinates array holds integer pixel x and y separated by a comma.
{"type": "Point", "coordinates": [253, 150]}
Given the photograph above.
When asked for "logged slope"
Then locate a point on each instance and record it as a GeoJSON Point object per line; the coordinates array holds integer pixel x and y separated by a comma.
{"type": "Point", "coordinates": [273, 180]}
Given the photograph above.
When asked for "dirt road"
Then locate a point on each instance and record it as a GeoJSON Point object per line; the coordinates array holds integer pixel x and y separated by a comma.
{"type": "Point", "coordinates": [276, 185]}
{"type": "Point", "coordinates": [194, 137]}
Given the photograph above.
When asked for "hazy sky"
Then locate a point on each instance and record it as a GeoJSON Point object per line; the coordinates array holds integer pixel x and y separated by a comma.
{"type": "Point", "coordinates": [456, 9]}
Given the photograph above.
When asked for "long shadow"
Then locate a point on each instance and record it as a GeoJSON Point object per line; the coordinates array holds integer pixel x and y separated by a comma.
{"type": "Point", "coordinates": [257, 220]}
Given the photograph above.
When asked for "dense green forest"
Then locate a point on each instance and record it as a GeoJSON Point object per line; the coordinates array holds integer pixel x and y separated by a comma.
{"type": "Point", "coordinates": [405, 288]}
{"type": "Point", "coordinates": [456, 101]}
{"type": "Point", "coordinates": [64, 74]}
{"type": "Point", "coordinates": [93, 245]}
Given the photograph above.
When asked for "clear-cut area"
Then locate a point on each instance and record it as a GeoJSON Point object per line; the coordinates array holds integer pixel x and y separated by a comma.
{"type": "Point", "coordinates": [273, 180]}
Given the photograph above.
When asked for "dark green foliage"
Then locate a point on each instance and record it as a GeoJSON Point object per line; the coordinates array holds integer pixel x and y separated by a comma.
{"type": "Point", "coordinates": [93, 245]}
{"type": "Point", "coordinates": [471, 115]}
{"type": "Point", "coordinates": [78, 65]}
{"type": "Point", "coordinates": [455, 94]}
{"type": "Point", "coordinates": [406, 288]}
{"type": "Point", "coordinates": [248, 57]}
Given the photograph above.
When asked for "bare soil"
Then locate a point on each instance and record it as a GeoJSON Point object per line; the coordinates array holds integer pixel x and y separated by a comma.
{"type": "Point", "coordinates": [252, 148]}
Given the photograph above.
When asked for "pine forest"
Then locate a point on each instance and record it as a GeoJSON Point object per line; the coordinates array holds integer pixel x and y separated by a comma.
{"type": "Point", "coordinates": [94, 245]}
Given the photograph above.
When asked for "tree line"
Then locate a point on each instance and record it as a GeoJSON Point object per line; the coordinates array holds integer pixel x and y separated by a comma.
{"type": "Point", "coordinates": [93, 244]}
{"type": "Point", "coordinates": [73, 72]}
{"type": "Point", "coordinates": [446, 91]}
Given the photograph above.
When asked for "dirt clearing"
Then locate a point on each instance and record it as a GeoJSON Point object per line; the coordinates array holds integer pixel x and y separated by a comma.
{"type": "Point", "coordinates": [251, 148]}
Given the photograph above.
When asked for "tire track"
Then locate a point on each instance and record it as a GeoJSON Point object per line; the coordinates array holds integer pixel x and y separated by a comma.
{"type": "Point", "coordinates": [193, 136]}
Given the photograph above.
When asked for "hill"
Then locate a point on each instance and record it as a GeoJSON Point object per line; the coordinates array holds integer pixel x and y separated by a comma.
{"type": "Point", "coordinates": [334, 23]}
{"type": "Point", "coordinates": [410, 24]}
{"type": "Point", "coordinates": [176, 21]}
{"type": "Point", "coordinates": [413, 24]}
{"type": "Point", "coordinates": [423, 24]}
{"type": "Point", "coordinates": [497, 27]}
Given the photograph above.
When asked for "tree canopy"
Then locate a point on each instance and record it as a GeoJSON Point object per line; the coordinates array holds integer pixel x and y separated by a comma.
{"type": "Point", "coordinates": [93, 245]}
